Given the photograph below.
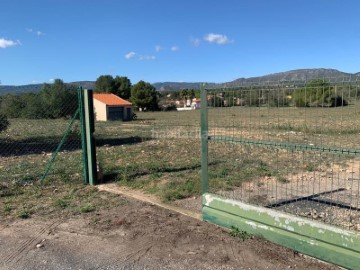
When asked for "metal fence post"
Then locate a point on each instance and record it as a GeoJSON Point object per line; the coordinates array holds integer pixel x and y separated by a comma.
{"type": "Point", "coordinates": [89, 134]}
{"type": "Point", "coordinates": [204, 139]}
{"type": "Point", "coordinates": [83, 137]}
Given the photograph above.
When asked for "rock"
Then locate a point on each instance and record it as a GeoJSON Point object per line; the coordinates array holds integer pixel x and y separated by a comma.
{"type": "Point", "coordinates": [41, 245]}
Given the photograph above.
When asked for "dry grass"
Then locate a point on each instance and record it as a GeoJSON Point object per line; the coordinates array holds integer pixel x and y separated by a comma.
{"type": "Point", "coordinates": [160, 153]}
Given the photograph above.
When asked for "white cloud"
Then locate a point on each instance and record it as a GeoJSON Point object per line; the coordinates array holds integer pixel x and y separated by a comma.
{"type": "Point", "coordinates": [158, 48]}
{"type": "Point", "coordinates": [130, 55]}
{"type": "Point", "coordinates": [195, 41]}
{"type": "Point", "coordinates": [134, 55]}
{"type": "Point", "coordinates": [217, 38]}
{"type": "Point", "coordinates": [147, 57]}
{"type": "Point", "coordinates": [5, 43]}
{"type": "Point", "coordinates": [35, 32]}
{"type": "Point", "coordinates": [51, 80]}
{"type": "Point", "coordinates": [174, 48]}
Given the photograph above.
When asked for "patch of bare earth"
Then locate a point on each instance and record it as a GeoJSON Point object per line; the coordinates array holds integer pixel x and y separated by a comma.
{"type": "Point", "coordinates": [136, 235]}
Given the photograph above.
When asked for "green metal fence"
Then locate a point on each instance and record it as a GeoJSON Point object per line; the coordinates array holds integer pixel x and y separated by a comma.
{"type": "Point", "coordinates": [283, 160]}
{"type": "Point", "coordinates": [39, 128]}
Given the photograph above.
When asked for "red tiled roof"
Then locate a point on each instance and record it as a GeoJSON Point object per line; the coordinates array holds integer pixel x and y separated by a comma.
{"type": "Point", "coordinates": [111, 99]}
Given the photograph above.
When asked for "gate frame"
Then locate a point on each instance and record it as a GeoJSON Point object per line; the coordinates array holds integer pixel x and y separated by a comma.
{"type": "Point", "coordinates": [326, 242]}
{"type": "Point", "coordinates": [87, 124]}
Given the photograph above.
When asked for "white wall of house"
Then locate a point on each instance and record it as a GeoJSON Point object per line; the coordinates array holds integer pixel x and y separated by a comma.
{"type": "Point", "coordinates": [100, 110]}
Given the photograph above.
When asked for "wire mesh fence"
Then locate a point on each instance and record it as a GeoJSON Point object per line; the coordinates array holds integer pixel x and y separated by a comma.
{"type": "Point", "coordinates": [159, 152]}
{"type": "Point", "coordinates": [36, 128]}
{"type": "Point", "coordinates": [291, 147]}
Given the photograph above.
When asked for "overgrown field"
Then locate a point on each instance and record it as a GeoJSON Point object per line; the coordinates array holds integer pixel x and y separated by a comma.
{"type": "Point", "coordinates": [160, 153]}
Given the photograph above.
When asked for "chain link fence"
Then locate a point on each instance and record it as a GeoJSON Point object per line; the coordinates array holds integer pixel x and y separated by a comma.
{"type": "Point", "coordinates": [36, 128]}
{"type": "Point", "coordinates": [158, 152]}
{"type": "Point", "coordinates": [294, 147]}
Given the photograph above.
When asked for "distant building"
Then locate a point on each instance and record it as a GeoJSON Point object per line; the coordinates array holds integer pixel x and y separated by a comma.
{"type": "Point", "coordinates": [111, 107]}
{"type": "Point", "coordinates": [195, 104]}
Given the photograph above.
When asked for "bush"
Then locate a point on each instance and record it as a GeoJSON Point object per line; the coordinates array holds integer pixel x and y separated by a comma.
{"type": "Point", "coordinates": [4, 122]}
{"type": "Point", "coordinates": [318, 93]}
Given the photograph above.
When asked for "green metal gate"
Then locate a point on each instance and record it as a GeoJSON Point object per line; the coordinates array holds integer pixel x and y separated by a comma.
{"type": "Point", "coordinates": [48, 136]}
{"type": "Point", "coordinates": [283, 161]}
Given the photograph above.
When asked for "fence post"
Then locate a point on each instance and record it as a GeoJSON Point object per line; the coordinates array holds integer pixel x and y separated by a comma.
{"type": "Point", "coordinates": [89, 136]}
{"type": "Point", "coordinates": [83, 137]}
{"type": "Point", "coordinates": [204, 139]}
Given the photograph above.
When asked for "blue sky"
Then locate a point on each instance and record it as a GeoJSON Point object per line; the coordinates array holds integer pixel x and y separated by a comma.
{"type": "Point", "coordinates": [156, 41]}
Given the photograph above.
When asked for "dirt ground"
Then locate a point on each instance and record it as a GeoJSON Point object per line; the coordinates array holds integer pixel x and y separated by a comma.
{"type": "Point", "coordinates": [137, 235]}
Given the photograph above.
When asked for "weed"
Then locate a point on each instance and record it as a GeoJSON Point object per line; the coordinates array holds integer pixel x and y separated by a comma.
{"type": "Point", "coordinates": [310, 167]}
{"type": "Point", "coordinates": [23, 213]}
{"type": "Point", "coordinates": [62, 203]}
{"type": "Point", "coordinates": [282, 179]}
{"type": "Point", "coordinates": [87, 208]}
{"type": "Point", "coordinates": [243, 235]}
{"type": "Point", "coordinates": [7, 208]}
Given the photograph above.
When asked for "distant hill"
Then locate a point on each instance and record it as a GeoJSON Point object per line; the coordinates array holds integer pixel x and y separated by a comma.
{"type": "Point", "coordinates": [298, 75]}
{"type": "Point", "coordinates": [173, 86]}
{"type": "Point", "coordinates": [29, 88]}
{"type": "Point", "coordinates": [34, 88]}
{"type": "Point", "coordinates": [288, 76]}
{"type": "Point", "coordinates": [294, 76]}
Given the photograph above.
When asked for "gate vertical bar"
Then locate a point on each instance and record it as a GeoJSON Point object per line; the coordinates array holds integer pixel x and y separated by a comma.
{"type": "Point", "coordinates": [204, 139]}
{"type": "Point", "coordinates": [89, 130]}
{"type": "Point", "coordinates": [83, 136]}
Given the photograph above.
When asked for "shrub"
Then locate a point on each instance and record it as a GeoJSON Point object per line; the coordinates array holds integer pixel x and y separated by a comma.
{"type": "Point", "coordinates": [318, 93]}
{"type": "Point", "coordinates": [4, 122]}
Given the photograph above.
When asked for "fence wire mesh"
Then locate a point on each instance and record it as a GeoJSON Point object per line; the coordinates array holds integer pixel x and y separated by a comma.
{"type": "Point", "coordinates": [159, 153]}
{"type": "Point", "coordinates": [32, 127]}
{"type": "Point", "coordinates": [291, 147]}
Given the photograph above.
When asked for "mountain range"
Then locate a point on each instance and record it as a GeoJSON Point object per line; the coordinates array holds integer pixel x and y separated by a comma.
{"type": "Point", "coordinates": [287, 76]}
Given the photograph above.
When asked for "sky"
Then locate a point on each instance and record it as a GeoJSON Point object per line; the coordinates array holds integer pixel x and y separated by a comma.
{"type": "Point", "coordinates": [179, 41]}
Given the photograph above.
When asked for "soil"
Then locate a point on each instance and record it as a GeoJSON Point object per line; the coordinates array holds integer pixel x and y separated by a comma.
{"type": "Point", "coordinates": [137, 235]}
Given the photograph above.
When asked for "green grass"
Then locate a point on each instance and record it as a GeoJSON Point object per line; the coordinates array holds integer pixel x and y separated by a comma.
{"type": "Point", "coordinates": [87, 208]}
{"type": "Point", "coordinates": [180, 190]}
{"type": "Point", "coordinates": [54, 198]}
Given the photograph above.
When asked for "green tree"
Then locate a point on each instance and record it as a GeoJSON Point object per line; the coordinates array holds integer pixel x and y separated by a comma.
{"type": "Point", "coordinates": [144, 96]}
{"type": "Point", "coordinates": [122, 87]}
{"type": "Point", "coordinates": [175, 94]}
{"type": "Point", "coordinates": [4, 122]}
{"type": "Point", "coordinates": [191, 93]}
{"type": "Point", "coordinates": [277, 98]}
{"type": "Point", "coordinates": [34, 108]}
{"type": "Point", "coordinates": [252, 98]}
{"type": "Point", "coordinates": [318, 93]}
{"type": "Point", "coordinates": [12, 106]}
{"type": "Point", "coordinates": [184, 93]}
{"type": "Point", "coordinates": [105, 84]}
{"type": "Point", "coordinates": [58, 99]}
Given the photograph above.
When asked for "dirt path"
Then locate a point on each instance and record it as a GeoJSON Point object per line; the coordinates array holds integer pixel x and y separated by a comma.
{"type": "Point", "coordinates": [137, 235]}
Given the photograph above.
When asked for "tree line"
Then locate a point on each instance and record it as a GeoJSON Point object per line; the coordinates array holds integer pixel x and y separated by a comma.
{"type": "Point", "coordinates": [316, 93]}
{"type": "Point", "coordinates": [143, 95]}
{"type": "Point", "coordinates": [59, 99]}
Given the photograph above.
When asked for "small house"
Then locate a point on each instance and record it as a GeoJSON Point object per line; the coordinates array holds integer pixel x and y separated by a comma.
{"type": "Point", "coordinates": [111, 107]}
